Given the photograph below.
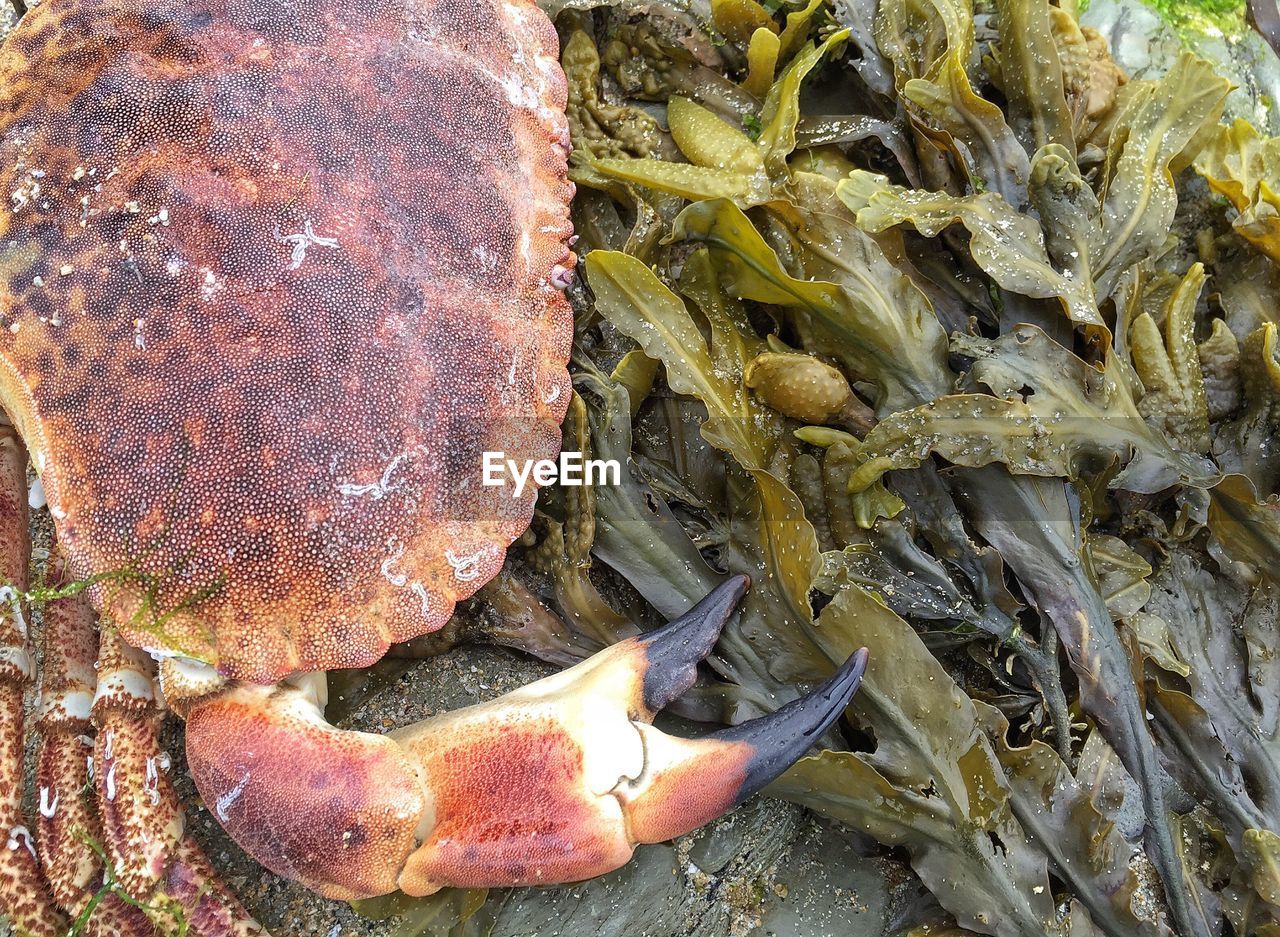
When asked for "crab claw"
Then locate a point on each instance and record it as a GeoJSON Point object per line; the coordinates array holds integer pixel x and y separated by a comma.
{"type": "Point", "coordinates": [555, 782]}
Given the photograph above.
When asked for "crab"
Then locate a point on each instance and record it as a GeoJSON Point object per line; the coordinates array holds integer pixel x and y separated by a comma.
{"type": "Point", "coordinates": [274, 277]}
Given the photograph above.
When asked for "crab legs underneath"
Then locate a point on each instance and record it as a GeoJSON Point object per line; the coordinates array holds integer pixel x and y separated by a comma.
{"type": "Point", "coordinates": [106, 811]}
{"type": "Point", "coordinates": [555, 782]}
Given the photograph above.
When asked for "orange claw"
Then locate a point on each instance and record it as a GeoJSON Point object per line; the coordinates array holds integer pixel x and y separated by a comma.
{"type": "Point", "coordinates": [555, 782]}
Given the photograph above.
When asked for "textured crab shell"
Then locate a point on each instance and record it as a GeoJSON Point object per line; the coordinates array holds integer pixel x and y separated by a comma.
{"type": "Point", "coordinates": [273, 276]}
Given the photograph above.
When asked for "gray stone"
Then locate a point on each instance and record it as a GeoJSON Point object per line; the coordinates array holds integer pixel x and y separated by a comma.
{"type": "Point", "coordinates": [1145, 45]}
{"type": "Point", "coordinates": [1141, 42]}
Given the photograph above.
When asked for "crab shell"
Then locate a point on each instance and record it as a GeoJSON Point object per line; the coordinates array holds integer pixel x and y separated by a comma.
{"type": "Point", "coordinates": [273, 277]}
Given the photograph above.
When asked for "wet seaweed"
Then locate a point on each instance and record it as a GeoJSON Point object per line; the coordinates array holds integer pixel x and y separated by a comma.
{"type": "Point", "coordinates": [899, 308]}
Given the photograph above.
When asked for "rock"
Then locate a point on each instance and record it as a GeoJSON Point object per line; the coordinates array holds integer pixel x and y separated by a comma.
{"type": "Point", "coordinates": [1145, 44]}
{"type": "Point", "coordinates": [1142, 43]}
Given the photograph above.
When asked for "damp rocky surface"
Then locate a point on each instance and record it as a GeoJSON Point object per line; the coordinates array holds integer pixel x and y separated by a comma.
{"type": "Point", "coordinates": [1145, 45]}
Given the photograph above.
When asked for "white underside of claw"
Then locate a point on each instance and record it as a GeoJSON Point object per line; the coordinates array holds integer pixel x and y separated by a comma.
{"type": "Point", "coordinates": [73, 704]}
{"type": "Point", "coordinates": [612, 749]}
{"type": "Point", "coordinates": [314, 687]}
{"type": "Point", "coordinates": [124, 683]}
{"type": "Point", "coordinates": [183, 678]}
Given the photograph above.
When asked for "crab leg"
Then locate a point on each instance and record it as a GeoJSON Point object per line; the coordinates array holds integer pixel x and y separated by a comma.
{"type": "Point", "coordinates": [66, 819]}
{"type": "Point", "coordinates": [24, 895]}
{"type": "Point", "coordinates": [67, 822]}
{"type": "Point", "coordinates": [142, 819]}
{"type": "Point", "coordinates": [555, 782]}
{"type": "Point", "coordinates": [211, 909]}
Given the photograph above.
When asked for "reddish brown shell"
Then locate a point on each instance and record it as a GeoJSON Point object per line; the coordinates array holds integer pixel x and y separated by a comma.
{"type": "Point", "coordinates": [273, 276]}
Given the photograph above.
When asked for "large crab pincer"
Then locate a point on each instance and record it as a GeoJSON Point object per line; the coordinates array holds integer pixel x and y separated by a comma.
{"type": "Point", "coordinates": [556, 782]}
{"type": "Point", "coordinates": [274, 277]}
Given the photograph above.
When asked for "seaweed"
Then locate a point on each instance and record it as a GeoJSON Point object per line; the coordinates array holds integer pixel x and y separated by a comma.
{"type": "Point", "coordinates": [904, 314]}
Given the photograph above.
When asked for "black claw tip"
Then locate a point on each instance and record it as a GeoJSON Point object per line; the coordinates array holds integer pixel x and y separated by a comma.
{"type": "Point", "coordinates": [673, 651]}
{"type": "Point", "coordinates": [782, 737]}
